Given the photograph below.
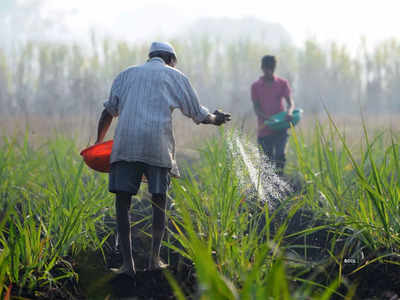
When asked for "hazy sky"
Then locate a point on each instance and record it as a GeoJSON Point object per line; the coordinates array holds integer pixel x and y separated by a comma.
{"type": "Point", "coordinates": [342, 20]}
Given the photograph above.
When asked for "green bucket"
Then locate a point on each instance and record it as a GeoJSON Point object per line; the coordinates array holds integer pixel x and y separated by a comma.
{"type": "Point", "coordinates": [279, 122]}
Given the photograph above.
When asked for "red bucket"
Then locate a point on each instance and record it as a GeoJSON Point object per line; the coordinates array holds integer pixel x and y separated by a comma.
{"type": "Point", "coordinates": [97, 156]}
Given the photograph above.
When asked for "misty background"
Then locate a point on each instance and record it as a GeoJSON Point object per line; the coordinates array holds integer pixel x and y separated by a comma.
{"type": "Point", "coordinates": [57, 62]}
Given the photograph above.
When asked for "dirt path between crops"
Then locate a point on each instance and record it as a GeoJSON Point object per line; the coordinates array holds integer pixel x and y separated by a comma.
{"type": "Point", "coordinates": [96, 281]}
{"type": "Point", "coordinates": [376, 281]}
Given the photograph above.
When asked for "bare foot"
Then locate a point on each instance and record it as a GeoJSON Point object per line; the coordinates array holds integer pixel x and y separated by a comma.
{"type": "Point", "coordinates": [156, 264]}
{"type": "Point", "coordinates": [131, 272]}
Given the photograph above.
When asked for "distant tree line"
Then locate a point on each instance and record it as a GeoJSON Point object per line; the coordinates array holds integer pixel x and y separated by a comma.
{"type": "Point", "coordinates": [67, 79]}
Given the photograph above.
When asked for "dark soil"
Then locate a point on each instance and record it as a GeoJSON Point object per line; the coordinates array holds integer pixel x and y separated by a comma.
{"type": "Point", "coordinates": [379, 280]}
{"type": "Point", "coordinates": [100, 283]}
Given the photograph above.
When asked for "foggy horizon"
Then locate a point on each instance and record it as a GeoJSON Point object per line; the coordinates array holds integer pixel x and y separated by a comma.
{"type": "Point", "coordinates": [75, 51]}
{"type": "Point", "coordinates": [345, 24]}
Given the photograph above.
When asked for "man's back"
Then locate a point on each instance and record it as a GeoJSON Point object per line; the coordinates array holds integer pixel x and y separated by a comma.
{"type": "Point", "coordinates": [144, 97]}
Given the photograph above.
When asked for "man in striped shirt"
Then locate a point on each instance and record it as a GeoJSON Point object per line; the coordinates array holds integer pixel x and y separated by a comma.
{"type": "Point", "coordinates": [143, 98]}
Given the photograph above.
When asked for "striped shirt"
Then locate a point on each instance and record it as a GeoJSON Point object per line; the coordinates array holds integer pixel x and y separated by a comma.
{"type": "Point", "coordinates": [143, 98]}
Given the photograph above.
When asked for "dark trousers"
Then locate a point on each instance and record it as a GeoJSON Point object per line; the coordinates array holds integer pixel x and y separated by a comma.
{"type": "Point", "coordinates": [274, 148]}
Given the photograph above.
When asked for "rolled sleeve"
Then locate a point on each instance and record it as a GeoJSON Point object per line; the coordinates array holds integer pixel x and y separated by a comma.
{"type": "Point", "coordinates": [112, 104]}
{"type": "Point", "coordinates": [189, 104]}
{"type": "Point", "coordinates": [201, 115]}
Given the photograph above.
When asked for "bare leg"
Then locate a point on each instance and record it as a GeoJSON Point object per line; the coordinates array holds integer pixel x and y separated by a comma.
{"type": "Point", "coordinates": [122, 205]}
{"type": "Point", "coordinates": [159, 202]}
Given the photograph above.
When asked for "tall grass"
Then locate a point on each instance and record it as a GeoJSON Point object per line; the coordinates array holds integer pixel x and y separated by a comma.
{"type": "Point", "coordinates": [354, 184]}
{"type": "Point", "coordinates": [237, 244]}
{"type": "Point", "coordinates": [353, 187]}
{"type": "Point", "coordinates": [52, 205]}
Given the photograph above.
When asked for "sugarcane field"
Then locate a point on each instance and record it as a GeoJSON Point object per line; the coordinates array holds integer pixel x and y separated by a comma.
{"type": "Point", "coordinates": [187, 150]}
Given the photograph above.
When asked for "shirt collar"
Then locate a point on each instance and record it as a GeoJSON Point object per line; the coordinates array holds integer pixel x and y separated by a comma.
{"type": "Point", "coordinates": [157, 59]}
{"type": "Point", "coordinates": [263, 80]}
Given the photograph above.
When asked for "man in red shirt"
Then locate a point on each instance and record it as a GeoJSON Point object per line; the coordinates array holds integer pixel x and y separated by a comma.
{"type": "Point", "coordinates": [267, 95]}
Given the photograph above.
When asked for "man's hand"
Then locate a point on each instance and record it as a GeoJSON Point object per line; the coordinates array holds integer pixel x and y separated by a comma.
{"type": "Point", "coordinates": [289, 117]}
{"type": "Point", "coordinates": [217, 118]}
{"type": "Point", "coordinates": [221, 117]}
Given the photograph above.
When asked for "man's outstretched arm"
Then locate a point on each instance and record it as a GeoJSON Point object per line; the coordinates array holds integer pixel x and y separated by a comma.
{"type": "Point", "coordinates": [104, 124]}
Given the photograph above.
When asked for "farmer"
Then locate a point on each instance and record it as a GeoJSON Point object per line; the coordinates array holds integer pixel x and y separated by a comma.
{"type": "Point", "coordinates": [143, 97]}
{"type": "Point", "coordinates": [267, 95]}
